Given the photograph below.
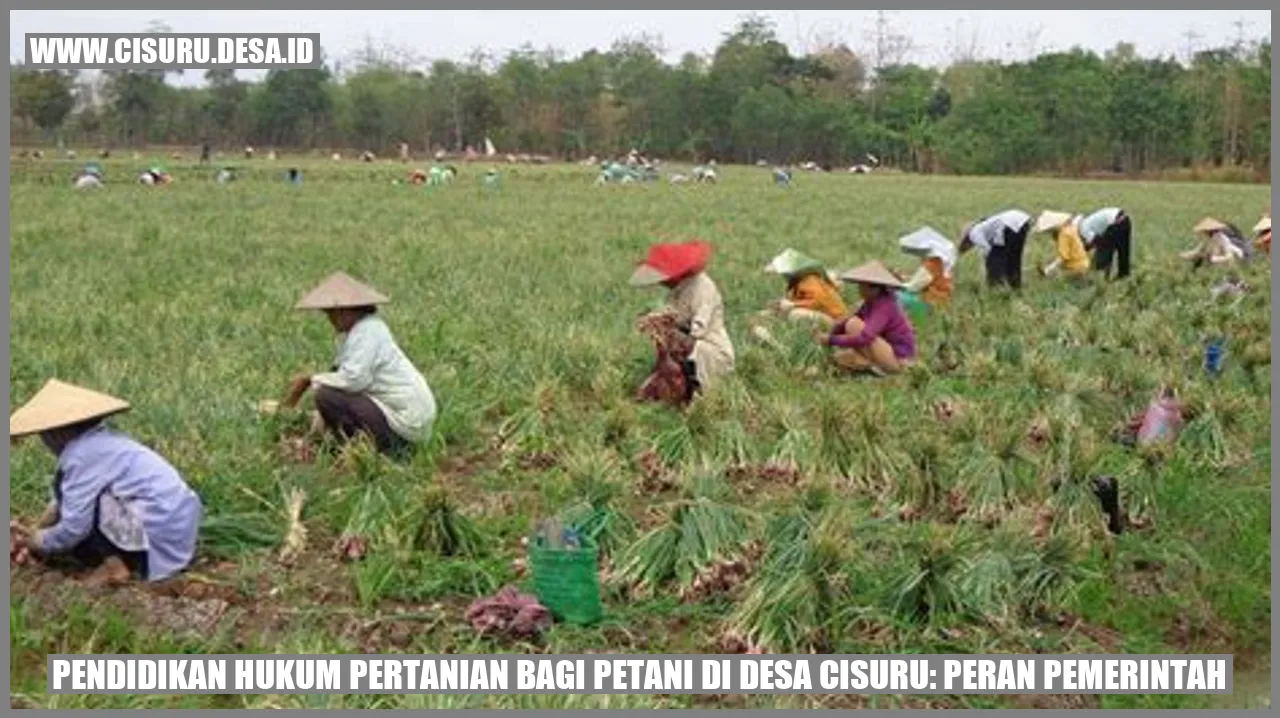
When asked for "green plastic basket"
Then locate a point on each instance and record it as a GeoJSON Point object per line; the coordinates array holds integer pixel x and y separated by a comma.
{"type": "Point", "coordinates": [915, 307]}
{"type": "Point", "coordinates": [567, 581]}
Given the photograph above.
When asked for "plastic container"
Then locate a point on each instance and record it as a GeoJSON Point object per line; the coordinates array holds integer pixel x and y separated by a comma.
{"type": "Point", "coordinates": [567, 579]}
{"type": "Point", "coordinates": [1161, 421]}
{"type": "Point", "coordinates": [913, 305]}
{"type": "Point", "coordinates": [1215, 352]}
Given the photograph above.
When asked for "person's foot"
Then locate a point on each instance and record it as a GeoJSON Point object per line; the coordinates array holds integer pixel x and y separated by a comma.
{"type": "Point", "coordinates": [112, 572]}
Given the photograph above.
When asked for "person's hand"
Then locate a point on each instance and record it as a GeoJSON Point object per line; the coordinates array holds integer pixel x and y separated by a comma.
{"type": "Point", "coordinates": [297, 387]}
{"type": "Point", "coordinates": [821, 338]}
{"type": "Point", "coordinates": [19, 544]}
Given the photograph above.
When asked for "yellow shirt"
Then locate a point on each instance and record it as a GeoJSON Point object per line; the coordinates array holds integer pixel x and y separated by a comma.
{"type": "Point", "coordinates": [1071, 252]}
{"type": "Point", "coordinates": [815, 292]}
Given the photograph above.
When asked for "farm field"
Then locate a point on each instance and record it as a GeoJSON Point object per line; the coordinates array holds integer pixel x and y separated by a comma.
{"type": "Point", "coordinates": [901, 515]}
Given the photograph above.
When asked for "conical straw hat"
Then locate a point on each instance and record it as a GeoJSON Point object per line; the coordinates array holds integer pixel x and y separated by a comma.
{"type": "Point", "coordinates": [340, 290]}
{"type": "Point", "coordinates": [1263, 225]}
{"type": "Point", "coordinates": [873, 272]}
{"type": "Point", "coordinates": [60, 404]}
{"type": "Point", "coordinates": [1049, 219]}
{"type": "Point", "coordinates": [791, 262]}
{"type": "Point", "coordinates": [1209, 224]}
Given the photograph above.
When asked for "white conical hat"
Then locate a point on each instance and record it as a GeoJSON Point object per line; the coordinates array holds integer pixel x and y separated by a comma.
{"type": "Point", "coordinates": [929, 242]}
{"type": "Point", "coordinates": [1209, 224]}
{"type": "Point", "coordinates": [1049, 219]}
{"type": "Point", "coordinates": [1263, 225]}
{"type": "Point", "coordinates": [873, 272]}
{"type": "Point", "coordinates": [340, 290]}
{"type": "Point", "coordinates": [60, 404]}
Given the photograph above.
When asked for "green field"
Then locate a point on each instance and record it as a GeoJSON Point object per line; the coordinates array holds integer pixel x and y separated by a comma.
{"type": "Point", "coordinates": [884, 527]}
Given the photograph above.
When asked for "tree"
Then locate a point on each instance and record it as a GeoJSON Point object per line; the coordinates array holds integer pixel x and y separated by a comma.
{"type": "Point", "coordinates": [44, 97]}
{"type": "Point", "coordinates": [224, 105]}
{"type": "Point", "coordinates": [292, 106]}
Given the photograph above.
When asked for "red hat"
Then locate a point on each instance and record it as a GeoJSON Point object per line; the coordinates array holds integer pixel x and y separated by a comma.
{"type": "Point", "coordinates": [672, 261]}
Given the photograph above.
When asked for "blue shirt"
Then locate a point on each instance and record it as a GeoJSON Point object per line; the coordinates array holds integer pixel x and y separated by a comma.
{"type": "Point", "coordinates": [100, 460]}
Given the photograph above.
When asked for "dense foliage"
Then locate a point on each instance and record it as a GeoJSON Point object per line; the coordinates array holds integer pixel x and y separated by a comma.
{"type": "Point", "coordinates": [1066, 112]}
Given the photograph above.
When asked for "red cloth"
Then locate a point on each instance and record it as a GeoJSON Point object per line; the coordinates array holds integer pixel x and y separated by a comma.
{"type": "Point", "coordinates": [679, 260]}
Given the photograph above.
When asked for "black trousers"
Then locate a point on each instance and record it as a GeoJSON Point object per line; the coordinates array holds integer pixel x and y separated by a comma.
{"type": "Point", "coordinates": [690, 380]}
{"type": "Point", "coordinates": [93, 550]}
{"type": "Point", "coordinates": [1114, 247]}
{"type": "Point", "coordinates": [1004, 263]}
{"type": "Point", "coordinates": [346, 415]}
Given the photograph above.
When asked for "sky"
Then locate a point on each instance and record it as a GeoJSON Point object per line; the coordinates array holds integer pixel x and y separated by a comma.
{"type": "Point", "coordinates": [454, 34]}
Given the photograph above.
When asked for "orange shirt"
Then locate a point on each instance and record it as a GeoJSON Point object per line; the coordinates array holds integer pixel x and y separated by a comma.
{"type": "Point", "coordinates": [816, 292]}
{"type": "Point", "coordinates": [939, 290]}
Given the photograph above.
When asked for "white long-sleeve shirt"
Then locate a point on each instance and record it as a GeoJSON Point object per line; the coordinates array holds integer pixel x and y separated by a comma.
{"type": "Point", "coordinates": [1094, 225]}
{"type": "Point", "coordinates": [699, 306]}
{"type": "Point", "coordinates": [989, 232]}
{"type": "Point", "coordinates": [370, 362]}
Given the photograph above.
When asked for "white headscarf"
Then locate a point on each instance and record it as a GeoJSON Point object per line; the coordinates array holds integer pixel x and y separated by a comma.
{"type": "Point", "coordinates": [929, 242]}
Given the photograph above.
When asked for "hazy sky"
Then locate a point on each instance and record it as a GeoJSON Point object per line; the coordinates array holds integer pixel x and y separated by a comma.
{"type": "Point", "coordinates": [454, 34]}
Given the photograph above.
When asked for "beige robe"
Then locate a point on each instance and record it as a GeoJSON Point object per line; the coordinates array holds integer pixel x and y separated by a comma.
{"type": "Point", "coordinates": [699, 307]}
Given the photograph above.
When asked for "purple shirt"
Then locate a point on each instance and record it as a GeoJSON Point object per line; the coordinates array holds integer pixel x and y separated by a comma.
{"type": "Point", "coordinates": [881, 317]}
{"type": "Point", "coordinates": [100, 460]}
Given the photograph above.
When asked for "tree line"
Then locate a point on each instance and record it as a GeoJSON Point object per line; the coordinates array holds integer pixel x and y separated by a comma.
{"type": "Point", "coordinates": [751, 99]}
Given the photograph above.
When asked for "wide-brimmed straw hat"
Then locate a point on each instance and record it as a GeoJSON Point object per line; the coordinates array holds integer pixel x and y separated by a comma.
{"type": "Point", "coordinates": [1263, 225]}
{"type": "Point", "coordinates": [873, 272]}
{"type": "Point", "coordinates": [59, 404]}
{"type": "Point", "coordinates": [1051, 219]}
{"type": "Point", "coordinates": [670, 261]}
{"type": "Point", "coordinates": [929, 242]}
{"type": "Point", "coordinates": [338, 291]}
{"type": "Point", "coordinates": [1209, 224]}
{"type": "Point", "coordinates": [791, 262]}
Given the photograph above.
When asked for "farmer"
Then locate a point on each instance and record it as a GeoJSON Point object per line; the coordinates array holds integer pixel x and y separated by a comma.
{"type": "Point", "coordinates": [1070, 254]}
{"type": "Point", "coordinates": [117, 505]}
{"type": "Point", "coordinates": [616, 172]}
{"type": "Point", "coordinates": [1108, 234]}
{"type": "Point", "coordinates": [878, 337]}
{"type": "Point", "coordinates": [373, 388]}
{"type": "Point", "coordinates": [1001, 239]}
{"type": "Point", "coordinates": [1220, 243]}
{"type": "Point", "coordinates": [442, 175]}
{"type": "Point", "coordinates": [295, 175]}
{"type": "Point", "coordinates": [1263, 231]}
{"type": "Point", "coordinates": [155, 176]}
{"type": "Point", "coordinates": [782, 177]}
{"type": "Point", "coordinates": [699, 310]}
{"type": "Point", "coordinates": [705, 174]}
{"type": "Point", "coordinates": [811, 294]}
{"type": "Point", "coordinates": [90, 178]}
{"type": "Point", "coordinates": [932, 281]}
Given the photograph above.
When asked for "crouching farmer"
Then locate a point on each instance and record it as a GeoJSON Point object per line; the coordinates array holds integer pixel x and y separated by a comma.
{"type": "Point", "coordinates": [117, 506]}
{"type": "Point", "coordinates": [878, 338]}
{"type": "Point", "coordinates": [373, 388]}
